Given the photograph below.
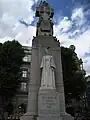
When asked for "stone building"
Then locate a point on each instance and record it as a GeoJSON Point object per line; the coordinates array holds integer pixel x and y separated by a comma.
{"type": "Point", "coordinates": [20, 100]}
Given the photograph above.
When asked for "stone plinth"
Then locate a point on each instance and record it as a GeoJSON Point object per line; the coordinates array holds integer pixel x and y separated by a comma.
{"type": "Point", "coordinates": [48, 105]}
{"type": "Point", "coordinates": [67, 117]}
{"type": "Point", "coordinates": [26, 116]}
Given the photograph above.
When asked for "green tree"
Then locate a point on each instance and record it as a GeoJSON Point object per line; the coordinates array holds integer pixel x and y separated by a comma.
{"type": "Point", "coordinates": [11, 54]}
{"type": "Point", "coordinates": [73, 75]}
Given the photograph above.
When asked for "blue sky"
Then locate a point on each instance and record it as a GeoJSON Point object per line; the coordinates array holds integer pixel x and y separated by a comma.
{"type": "Point", "coordinates": [63, 6]}
{"type": "Point", "coordinates": [72, 24]}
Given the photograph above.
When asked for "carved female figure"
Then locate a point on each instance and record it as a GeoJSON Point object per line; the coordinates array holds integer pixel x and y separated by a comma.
{"type": "Point", "coordinates": [48, 73]}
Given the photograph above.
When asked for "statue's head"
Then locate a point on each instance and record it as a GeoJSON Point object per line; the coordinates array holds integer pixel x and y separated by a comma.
{"type": "Point", "coordinates": [47, 51]}
{"type": "Point", "coordinates": [44, 7]}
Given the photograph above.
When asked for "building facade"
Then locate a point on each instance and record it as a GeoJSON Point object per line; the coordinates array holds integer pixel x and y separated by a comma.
{"type": "Point", "coordinates": [20, 100]}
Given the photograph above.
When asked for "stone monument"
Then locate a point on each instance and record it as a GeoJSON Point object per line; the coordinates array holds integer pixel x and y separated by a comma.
{"type": "Point", "coordinates": [46, 90]}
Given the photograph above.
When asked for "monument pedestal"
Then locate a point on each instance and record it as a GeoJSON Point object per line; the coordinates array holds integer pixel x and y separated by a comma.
{"type": "Point", "coordinates": [26, 116]}
{"type": "Point", "coordinates": [67, 117]}
{"type": "Point", "coordinates": [49, 118]}
{"type": "Point", "coordinates": [48, 105]}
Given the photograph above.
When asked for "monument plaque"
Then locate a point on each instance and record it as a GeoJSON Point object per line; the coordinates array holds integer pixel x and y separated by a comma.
{"type": "Point", "coordinates": [48, 104]}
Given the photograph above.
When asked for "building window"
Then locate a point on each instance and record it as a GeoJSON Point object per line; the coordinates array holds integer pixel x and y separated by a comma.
{"type": "Point", "coordinates": [25, 59]}
{"type": "Point", "coordinates": [23, 86]}
{"type": "Point", "coordinates": [24, 73]}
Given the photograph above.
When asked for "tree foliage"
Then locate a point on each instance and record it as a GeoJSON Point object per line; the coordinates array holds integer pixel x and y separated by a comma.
{"type": "Point", "coordinates": [73, 75]}
{"type": "Point", "coordinates": [11, 54]}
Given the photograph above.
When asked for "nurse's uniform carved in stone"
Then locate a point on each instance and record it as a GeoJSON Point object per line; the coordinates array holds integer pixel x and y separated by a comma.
{"type": "Point", "coordinates": [48, 72]}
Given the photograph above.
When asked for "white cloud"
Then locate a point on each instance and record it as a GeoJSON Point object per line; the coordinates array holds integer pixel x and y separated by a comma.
{"type": "Point", "coordinates": [11, 11]}
{"type": "Point", "coordinates": [80, 35]}
{"type": "Point", "coordinates": [26, 36]}
{"type": "Point", "coordinates": [82, 43]}
{"type": "Point", "coordinates": [63, 25]}
{"type": "Point", "coordinates": [77, 13]}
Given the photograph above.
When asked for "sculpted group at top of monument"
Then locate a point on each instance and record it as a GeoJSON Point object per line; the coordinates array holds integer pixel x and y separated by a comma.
{"type": "Point", "coordinates": [45, 24]}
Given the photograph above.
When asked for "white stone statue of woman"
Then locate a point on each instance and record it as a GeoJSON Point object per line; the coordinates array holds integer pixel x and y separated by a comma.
{"type": "Point", "coordinates": [48, 73]}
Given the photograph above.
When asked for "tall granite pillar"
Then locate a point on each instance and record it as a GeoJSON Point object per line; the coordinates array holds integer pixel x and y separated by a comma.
{"type": "Point", "coordinates": [45, 103]}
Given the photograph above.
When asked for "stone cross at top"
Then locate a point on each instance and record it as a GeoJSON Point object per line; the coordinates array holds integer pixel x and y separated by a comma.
{"type": "Point", "coordinates": [43, 8]}
{"type": "Point", "coordinates": [45, 13]}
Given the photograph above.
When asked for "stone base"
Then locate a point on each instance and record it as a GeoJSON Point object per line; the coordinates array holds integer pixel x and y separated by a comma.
{"type": "Point", "coordinates": [27, 116]}
{"type": "Point", "coordinates": [49, 118]}
{"type": "Point", "coordinates": [48, 103]}
{"type": "Point", "coordinates": [64, 117]}
{"type": "Point", "coordinates": [49, 106]}
{"type": "Point", "coordinates": [67, 117]}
